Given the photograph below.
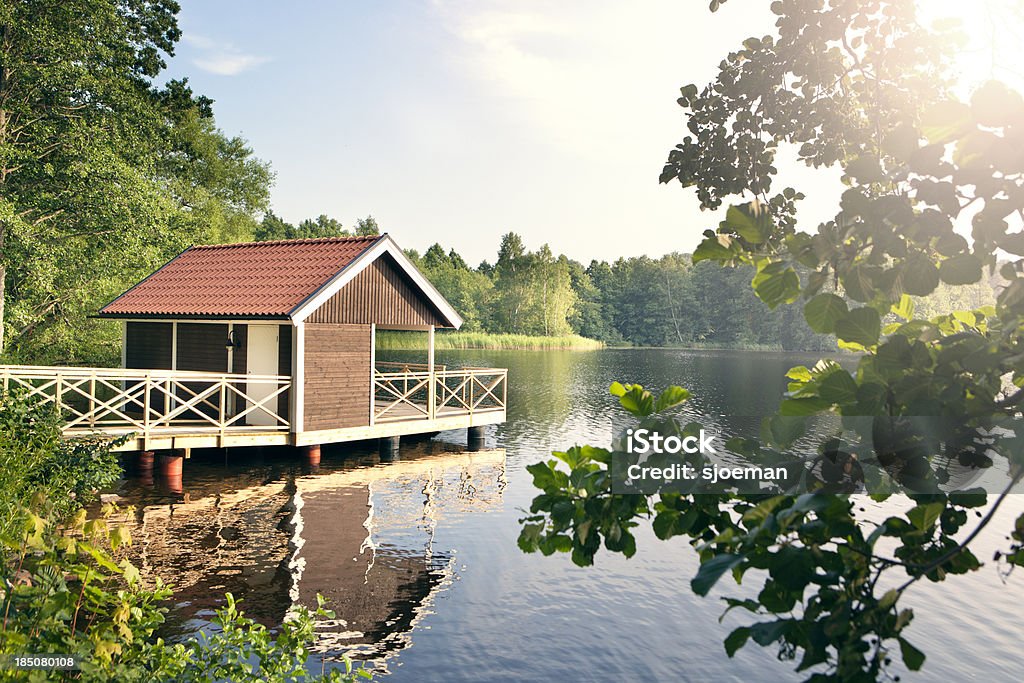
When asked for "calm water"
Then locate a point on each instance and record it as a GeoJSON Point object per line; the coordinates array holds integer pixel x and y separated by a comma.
{"type": "Point", "coordinates": [419, 558]}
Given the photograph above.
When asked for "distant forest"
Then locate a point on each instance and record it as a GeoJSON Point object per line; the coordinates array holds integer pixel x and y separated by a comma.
{"type": "Point", "coordinates": [666, 301]}
{"type": "Point", "coordinates": [643, 301]}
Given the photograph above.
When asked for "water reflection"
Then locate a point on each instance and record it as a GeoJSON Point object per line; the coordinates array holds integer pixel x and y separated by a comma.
{"type": "Point", "coordinates": [359, 532]}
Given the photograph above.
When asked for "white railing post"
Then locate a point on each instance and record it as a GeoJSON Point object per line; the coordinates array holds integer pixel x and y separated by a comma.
{"type": "Point", "coordinates": [431, 387]}
{"type": "Point", "coordinates": [148, 384]}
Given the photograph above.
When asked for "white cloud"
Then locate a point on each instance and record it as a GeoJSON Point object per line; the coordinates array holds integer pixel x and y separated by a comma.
{"type": "Point", "coordinates": [221, 58]}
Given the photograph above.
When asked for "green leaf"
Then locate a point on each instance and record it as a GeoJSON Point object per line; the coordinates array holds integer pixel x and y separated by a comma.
{"type": "Point", "coordinates": [964, 269]}
{"type": "Point", "coordinates": [616, 389]}
{"type": "Point", "coordinates": [767, 632]}
{"type": "Point", "coordinates": [858, 283]}
{"type": "Point", "coordinates": [823, 311]}
{"type": "Point", "coordinates": [905, 308]}
{"type": "Point", "coordinates": [637, 401]}
{"type": "Point", "coordinates": [800, 373]}
{"type": "Point", "coordinates": [717, 248]}
{"type": "Point", "coordinates": [749, 221]}
{"type": "Point", "coordinates": [776, 283]}
{"type": "Point", "coordinates": [785, 429]}
{"type": "Point", "coordinates": [923, 517]}
{"type": "Point", "coordinates": [912, 657]}
{"type": "Point", "coordinates": [711, 571]}
{"type": "Point", "coordinates": [969, 498]}
{"type": "Point", "coordinates": [670, 398]}
{"type": "Point", "coordinates": [735, 640]}
{"type": "Point", "coordinates": [920, 276]}
{"type": "Point", "coordinates": [861, 326]}
{"type": "Point", "coordinates": [838, 387]}
{"type": "Point", "coordinates": [803, 406]}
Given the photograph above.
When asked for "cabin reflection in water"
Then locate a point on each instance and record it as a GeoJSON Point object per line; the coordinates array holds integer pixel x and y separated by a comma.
{"type": "Point", "coordinates": [363, 537]}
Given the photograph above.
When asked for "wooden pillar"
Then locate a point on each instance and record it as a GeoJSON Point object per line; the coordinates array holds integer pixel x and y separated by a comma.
{"type": "Point", "coordinates": [432, 388]}
{"type": "Point", "coordinates": [144, 463]}
{"type": "Point", "coordinates": [170, 467]}
{"type": "Point", "coordinates": [312, 453]}
{"type": "Point", "coordinates": [475, 438]}
{"type": "Point", "coordinates": [144, 467]}
{"type": "Point", "coordinates": [388, 448]}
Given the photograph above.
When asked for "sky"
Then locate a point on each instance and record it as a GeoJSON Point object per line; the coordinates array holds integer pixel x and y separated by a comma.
{"type": "Point", "coordinates": [456, 121]}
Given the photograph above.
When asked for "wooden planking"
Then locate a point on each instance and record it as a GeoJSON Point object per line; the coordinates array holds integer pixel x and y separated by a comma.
{"type": "Point", "coordinates": [337, 376]}
{"type": "Point", "coordinates": [202, 346]}
{"type": "Point", "coordinates": [148, 345]}
{"type": "Point", "coordinates": [284, 365]}
{"type": "Point", "coordinates": [381, 294]}
{"type": "Point", "coordinates": [240, 360]}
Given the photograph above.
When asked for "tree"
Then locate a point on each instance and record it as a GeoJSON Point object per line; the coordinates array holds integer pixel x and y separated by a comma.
{"type": "Point", "coordinates": [103, 174]}
{"type": "Point", "coordinates": [862, 85]}
{"type": "Point", "coordinates": [511, 280]}
{"type": "Point", "coordinates": [367, 226]}
{"type": "Point", "coordinates": [273, 227]}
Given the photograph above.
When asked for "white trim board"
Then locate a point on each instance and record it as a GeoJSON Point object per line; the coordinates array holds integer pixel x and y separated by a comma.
{"type": "Point", "coordinates": [385, 245]}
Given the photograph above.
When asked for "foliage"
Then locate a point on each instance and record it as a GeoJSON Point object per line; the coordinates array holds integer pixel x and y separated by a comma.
{"type": "Point", "coordinates": [69, 590]}
{"type": "Point", "coordinates": [67, 587]}
{"type": "Point", "coordinates": [273, 227]}
{"type": "Point", "coordinates": [34, 459]}
{"type": "Point", "coordinates": [861, 85]}
{"type": "Point", "coordinates": [104, 175]}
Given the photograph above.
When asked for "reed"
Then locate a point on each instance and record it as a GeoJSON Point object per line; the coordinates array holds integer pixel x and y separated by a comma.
{"type": "Point", "coordinates": [389, 340]}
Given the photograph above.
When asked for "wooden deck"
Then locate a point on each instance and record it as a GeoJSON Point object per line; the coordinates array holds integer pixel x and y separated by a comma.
{"type": "Point", "coordinates": [170, 409]}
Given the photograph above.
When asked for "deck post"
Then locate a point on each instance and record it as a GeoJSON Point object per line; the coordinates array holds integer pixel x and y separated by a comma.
{"type": "Point", "coordinates": [388, 448]}
{"type": "Point", "coordinates": [312, 453]}
{"type": "Point", "coordinates": [170, 470]}
{"type": "Point", "coordinates": [145, 461]}
{"type": "Point", "coordinates": [432, 386]}
{"type": "Point", "coordinates": [475, 438]}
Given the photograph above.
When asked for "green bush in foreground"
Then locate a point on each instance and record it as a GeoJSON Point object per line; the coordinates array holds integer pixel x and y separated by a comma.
{"type": "Point", "coordinates": [67, 587]}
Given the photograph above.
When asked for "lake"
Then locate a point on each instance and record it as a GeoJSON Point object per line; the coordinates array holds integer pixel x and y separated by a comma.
{"type": "Point", "coordinates": [418, 556]}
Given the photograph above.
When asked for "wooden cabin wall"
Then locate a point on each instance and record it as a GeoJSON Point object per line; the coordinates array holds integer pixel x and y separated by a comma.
{"type": "Point", "coordinates": [284, 364]}
{"type": "Point", "coordinates": [148, 345]}
{"type": "Point", "coordinates": [380, 294]}
{"type": "Point", "coordinates": [337, 376]}
{"type": "Point", "coordinates": [240, 358]}
{"type": "Point", "coordinates": [202, 347]}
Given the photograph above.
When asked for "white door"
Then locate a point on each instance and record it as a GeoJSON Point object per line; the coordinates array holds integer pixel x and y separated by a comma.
{"type": "Point", "coordinates": [261, 359]}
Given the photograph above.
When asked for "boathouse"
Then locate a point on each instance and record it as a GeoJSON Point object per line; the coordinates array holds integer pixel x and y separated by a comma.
{"type": "Point", "coordinates": [272, 343]}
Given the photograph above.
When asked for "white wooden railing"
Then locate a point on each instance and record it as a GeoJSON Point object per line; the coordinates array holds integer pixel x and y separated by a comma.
{"type": "Point", "coordinates": [419, 394]}
{"type": "Point", "coordinates": [154, 401]}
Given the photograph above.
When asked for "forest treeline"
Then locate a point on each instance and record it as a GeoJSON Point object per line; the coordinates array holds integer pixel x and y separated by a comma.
{"type": "Point", "coordinates": [666, 301]}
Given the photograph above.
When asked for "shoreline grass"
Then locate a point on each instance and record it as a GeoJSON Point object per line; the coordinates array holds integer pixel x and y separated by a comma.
{"type": "Point", "coordinates": [445, 341]}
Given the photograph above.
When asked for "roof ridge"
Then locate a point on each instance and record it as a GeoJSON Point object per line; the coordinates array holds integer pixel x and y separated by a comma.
{"type": "Point", "coordinates": [307, 240]}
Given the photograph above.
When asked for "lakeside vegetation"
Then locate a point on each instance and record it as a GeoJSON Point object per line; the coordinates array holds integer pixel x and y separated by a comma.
{"type": "Point", "coordinates": [69, 587]}
{"type": "Point", "coordinates": [446, 341]}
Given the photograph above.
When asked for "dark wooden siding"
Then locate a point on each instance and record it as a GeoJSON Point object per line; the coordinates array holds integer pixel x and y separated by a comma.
{"type": "Point", "coordinates": [240, 359]}
{"type": "Point", "coordinates": [284, 364]}
{"type": "Point", "coordinates": [202, 346]}
{"type": "Point", "coordinates": [381, 294]}
{"type": "Point", "coordinates": [148, 346]}
{"type": "Point", "coordinates": [337, 376]}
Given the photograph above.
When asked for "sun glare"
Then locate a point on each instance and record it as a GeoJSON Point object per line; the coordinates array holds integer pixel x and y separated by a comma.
{"type": "Point", "coordinates": [994, 31]}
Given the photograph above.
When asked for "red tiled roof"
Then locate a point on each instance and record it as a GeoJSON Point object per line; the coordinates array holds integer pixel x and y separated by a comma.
{"type": "Point", "coordinates": [250, 279]}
